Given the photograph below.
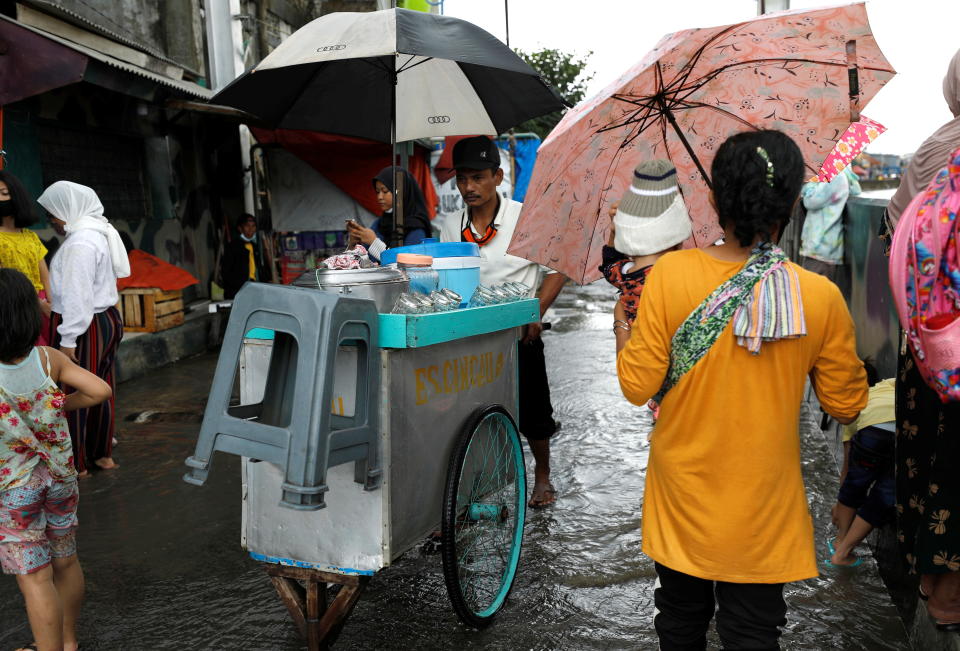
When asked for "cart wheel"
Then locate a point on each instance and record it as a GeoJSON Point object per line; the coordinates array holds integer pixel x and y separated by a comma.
{"type": "Point", "coordinates": [484, 506]}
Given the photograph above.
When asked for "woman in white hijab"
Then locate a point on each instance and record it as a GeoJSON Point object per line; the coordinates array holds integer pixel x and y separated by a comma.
{"type": "Point", "coordinates": [85, 323]}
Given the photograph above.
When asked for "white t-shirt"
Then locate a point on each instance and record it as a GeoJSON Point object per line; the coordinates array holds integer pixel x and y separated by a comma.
{"type": "Point", "coordinates": [82, 282]}
{"type": "Point", "coordinates": [496, 265]}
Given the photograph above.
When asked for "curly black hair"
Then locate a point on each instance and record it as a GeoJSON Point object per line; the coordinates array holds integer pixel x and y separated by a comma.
{"type": "Point", "coordinates": [757, 204]}
{"type": "Point", "coordinates": [19, 317]}
{"type": "Point", "coordinates": [24, 214]}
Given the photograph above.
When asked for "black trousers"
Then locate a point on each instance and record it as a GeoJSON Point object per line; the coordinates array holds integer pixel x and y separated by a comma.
{"type": "Point", "coordinates": [749, 615]}
{"type": "Point", "coordinates": [536, 411]}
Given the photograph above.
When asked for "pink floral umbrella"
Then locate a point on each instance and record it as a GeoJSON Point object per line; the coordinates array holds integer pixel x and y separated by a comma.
{"type": "Point", "coordinates": [805, 73]}
{"type": "Point", "coordinates": [853, 141]}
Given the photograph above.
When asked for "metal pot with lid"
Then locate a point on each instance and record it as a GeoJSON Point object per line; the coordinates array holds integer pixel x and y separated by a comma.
{"type": "Point", "coordinates": [382, 285]}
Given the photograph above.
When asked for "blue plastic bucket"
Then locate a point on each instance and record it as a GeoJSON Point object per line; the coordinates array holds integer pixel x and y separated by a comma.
{"type": "Point", "coordinates": [457, 263]}
{"type": "Point", "coordinates": [461, 275]}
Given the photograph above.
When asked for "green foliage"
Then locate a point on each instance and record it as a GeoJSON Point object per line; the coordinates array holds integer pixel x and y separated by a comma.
{"type": "Point", "coordinates": [565, 72]}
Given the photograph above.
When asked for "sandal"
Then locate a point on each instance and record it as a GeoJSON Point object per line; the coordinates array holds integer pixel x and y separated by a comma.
{"type": "Point", "coordinates": [856, 563]}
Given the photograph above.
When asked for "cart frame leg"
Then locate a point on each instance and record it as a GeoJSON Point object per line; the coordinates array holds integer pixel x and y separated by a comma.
{"type": "Point", "coordinates": [320, 623]}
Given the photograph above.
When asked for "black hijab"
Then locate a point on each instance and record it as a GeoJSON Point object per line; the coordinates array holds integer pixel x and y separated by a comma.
{"type": "Point", "coordinates": [415, 213]}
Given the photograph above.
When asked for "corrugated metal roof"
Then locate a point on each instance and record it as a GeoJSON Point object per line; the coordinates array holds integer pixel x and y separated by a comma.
{"type": "Point", "coordinates": [187, 87]}
{"type": "Point", "coordinates": [72, 16]}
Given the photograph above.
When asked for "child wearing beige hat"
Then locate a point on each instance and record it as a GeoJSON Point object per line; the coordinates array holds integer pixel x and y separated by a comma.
{"type": "Point", "coordinates": [650, 220]}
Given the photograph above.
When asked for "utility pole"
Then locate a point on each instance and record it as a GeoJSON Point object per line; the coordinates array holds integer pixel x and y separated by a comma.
{"type": "Point", "coordinates": [506, 17]}
{"type": "Point", "coordinates": [225, 56]}
{"type": "Point", "coordinates": [769, 6]}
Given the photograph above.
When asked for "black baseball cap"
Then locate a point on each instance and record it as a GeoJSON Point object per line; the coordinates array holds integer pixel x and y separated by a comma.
{"type": "Point", "coordinates": [477, 153]}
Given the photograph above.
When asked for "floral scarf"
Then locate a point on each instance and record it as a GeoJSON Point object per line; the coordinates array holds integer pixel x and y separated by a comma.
{"type": "Point", "coordinates": [763, 301]}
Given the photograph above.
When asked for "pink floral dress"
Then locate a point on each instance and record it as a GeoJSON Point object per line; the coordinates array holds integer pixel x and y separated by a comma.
{"type": "Point", "coordinates": [33, 429]}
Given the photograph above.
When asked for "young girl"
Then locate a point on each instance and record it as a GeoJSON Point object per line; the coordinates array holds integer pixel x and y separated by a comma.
{"type": "Point", "coordinates": [38, 483]}
{"type": "Point", "coordinates": [20, 248]}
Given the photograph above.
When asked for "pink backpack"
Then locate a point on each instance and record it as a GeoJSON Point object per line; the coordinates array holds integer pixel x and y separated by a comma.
{"type": "Point", "coordinates": [925, 279]}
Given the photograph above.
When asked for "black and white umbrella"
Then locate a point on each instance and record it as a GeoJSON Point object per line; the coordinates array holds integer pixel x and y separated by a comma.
{"type": "Point", "coordinates": [392, 76]}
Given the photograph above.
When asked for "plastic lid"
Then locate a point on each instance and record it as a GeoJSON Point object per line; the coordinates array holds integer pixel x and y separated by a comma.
{"type": "Point", "coordinates": [413, 258]}
{"type": "Point", "coordinates": [432, 247]}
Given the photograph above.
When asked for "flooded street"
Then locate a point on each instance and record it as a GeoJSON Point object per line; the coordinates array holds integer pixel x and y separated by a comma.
{"type": "Point", "coordinates": [165, 570]}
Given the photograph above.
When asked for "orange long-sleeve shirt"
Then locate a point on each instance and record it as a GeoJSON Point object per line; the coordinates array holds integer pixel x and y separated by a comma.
{"type": "Point", "coordinates": [724, 497]}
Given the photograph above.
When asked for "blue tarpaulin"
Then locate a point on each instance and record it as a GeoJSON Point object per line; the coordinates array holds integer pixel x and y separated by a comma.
{"type": "Point", "coordinates": [525, 154]}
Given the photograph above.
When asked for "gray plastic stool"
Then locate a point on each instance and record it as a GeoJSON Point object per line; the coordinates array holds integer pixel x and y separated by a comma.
{"type": "Point", "coordinates": [293, 426]}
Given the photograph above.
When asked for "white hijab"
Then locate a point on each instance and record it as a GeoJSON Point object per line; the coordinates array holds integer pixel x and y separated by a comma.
{"type": "Point", "coordinates": [80, 208]}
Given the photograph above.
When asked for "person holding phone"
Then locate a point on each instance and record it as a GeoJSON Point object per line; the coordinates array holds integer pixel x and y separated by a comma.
{"type": "Point", "coordinates": [416, 219]}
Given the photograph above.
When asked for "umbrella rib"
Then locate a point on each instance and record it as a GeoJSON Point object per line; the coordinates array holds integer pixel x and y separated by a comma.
{"type": "Point", "coordinates": [378, 64]}
{"type": "Point", "coordinates": [690, 105]}
{"type": "Point", "coordinates": [636, 101]}
{"type": "Point", "coordinates": [405, 67]}
{"type": "Point", "coordinates": [644, 125]}
{"type": "Point", "coordinates": [634, 118]}
{"type": "Point", "coordinates": [684, 74]}
{"type": "Point", "coordinates": [713, 74]}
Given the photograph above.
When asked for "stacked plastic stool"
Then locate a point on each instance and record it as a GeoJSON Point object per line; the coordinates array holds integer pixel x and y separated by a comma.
{"type": "Point", "coordinates": [293, 426]}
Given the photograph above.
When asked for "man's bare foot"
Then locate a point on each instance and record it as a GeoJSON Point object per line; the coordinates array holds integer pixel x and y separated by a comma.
{"type": "Point", "coordinates": [107, 463]}
{"type": "Point", "coordinates": [543, 496]}
{"type": "Point", "coordinates": [83, 474]}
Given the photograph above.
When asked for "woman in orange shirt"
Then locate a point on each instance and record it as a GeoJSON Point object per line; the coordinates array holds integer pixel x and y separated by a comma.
{"type": "Point", "coordinates": [725, 513]}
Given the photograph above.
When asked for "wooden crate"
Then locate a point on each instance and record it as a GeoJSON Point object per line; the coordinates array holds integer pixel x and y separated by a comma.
{"type": "Point", "coordinates": [151, 310]}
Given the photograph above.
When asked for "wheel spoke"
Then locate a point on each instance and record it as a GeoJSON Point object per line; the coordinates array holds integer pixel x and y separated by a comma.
{"type": "Point", "coordinates": [486, 549]}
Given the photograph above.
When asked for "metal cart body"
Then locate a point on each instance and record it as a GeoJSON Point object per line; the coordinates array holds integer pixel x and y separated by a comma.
{"type": "Point", "coordinates": [436, 370]}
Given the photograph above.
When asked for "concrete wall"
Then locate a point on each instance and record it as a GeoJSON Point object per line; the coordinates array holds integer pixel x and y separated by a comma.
{"type": "Point", "coordinates": [171, 27]}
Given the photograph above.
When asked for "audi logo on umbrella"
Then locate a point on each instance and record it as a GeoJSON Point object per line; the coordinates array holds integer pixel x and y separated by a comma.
{"type": "Point", "coordinates": [438, 119]}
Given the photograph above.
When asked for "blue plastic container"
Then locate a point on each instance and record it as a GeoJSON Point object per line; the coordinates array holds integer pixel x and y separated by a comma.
{"type": "Point", "coordinates": [457, 263]}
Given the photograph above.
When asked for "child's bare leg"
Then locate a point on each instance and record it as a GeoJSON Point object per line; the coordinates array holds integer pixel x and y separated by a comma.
{"type": "Point", "coordinates": [843, 516]}
{"type": "Point", "coordinates": [857, 531]}
{"type": "Point", "coordinates": [43, 608]}
{"type": "Point", "coordinates": [68, 577]}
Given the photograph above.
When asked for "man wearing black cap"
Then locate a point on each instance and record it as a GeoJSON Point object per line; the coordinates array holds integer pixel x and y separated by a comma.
{"type": "Point", "coordinates": [489, 220]}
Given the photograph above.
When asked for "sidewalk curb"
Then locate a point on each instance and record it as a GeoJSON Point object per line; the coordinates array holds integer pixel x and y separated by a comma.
{"type": "Point", "coordinates": [141, 353]}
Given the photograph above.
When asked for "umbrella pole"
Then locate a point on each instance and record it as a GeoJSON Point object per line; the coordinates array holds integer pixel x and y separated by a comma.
{"type": "Point", "coordinates": [683, 139]}
{"type": "Point", "coordinates": [398, 231]}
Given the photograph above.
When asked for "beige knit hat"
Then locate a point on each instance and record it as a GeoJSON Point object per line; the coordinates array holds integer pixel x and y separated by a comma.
{"type": "Point", "coordinates": [651, 216]}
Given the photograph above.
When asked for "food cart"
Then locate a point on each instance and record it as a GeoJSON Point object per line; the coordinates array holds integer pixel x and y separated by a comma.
{"type": "Point", "coordinates": [423, 405]}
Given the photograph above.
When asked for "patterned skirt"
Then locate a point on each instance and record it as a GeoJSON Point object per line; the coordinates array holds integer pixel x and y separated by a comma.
{"type": "Point", "coordinates": [92, 429]}
{"type": "Point", "coordinates": [928, 474]}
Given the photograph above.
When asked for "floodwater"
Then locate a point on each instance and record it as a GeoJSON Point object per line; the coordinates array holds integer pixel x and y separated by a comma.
{"type": "Point", "coordinates": [165, 569]}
